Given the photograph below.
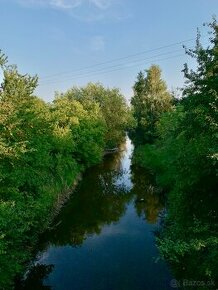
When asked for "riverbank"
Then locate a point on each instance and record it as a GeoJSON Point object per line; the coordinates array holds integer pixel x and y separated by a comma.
{"type": "Point", "coordinates": [44, 146]}
{"type": "Point", "coordinates": [63, 197]}
{"type": "Point", "coordinates": [53, 209]}
{"type": "Point", "coordinates": [48, 206]}
{"type": "Point", "coordinates": [103, 238]}
{"type": "Point", "coordinates": [58, 194]}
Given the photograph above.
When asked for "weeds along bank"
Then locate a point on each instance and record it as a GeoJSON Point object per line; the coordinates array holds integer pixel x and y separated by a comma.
{"type": "Point", "coordinates": [43, 148]}
{"type": "Point", "coordinates": [180, 144]}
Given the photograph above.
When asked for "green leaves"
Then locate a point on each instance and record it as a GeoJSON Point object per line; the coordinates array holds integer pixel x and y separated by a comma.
{"type": "Point", "coordinates": [3, 59]}
{"type": "Point", "coordinates": [189, 146]}
{"type": "Point", "coordinates": [43, 147]}
{"type": "Point", "coordinates": [184, 156]}
{"type": "Point", "coordinates": [105, 106]}
{"type": "Point", "coordinates": [150, 100]}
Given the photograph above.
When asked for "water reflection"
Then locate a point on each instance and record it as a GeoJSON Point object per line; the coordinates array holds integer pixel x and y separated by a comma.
{"type": "Point", "coordinates": [35, 276]}
{"type": "Point", "coordinates": [103, 238]}
{"type": "Point", "coordinates": [100, 200]}
{"type": "Point", "coordinates": [149, 199]}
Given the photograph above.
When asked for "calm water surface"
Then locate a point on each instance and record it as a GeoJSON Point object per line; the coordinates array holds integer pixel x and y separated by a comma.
{"type": "Point", "coordinates": [103, 239]}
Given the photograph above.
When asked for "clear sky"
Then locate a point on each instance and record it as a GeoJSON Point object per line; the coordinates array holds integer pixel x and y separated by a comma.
{"type": "Point", "coordinates": [72, 42]}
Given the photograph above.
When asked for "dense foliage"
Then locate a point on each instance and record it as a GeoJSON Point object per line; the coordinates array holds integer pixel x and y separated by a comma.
{"type": "Point", "coordinates": [150, 100]}
{"type": "Point", "coordinates": [185, 156]}
{"type": "Point", "coordinates": [112, 106]}
{"type": "Point", "coordinates": [43, 147]}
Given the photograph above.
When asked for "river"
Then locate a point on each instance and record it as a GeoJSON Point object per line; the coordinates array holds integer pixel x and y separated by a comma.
{"type": "Point", "coordinates": [104, 237]}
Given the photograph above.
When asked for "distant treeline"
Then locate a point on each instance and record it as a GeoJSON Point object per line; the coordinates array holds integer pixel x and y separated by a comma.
{"type": "Point", "coordinates": [43, 147]}
{"type": "Point", "coordinates": [179, 142]}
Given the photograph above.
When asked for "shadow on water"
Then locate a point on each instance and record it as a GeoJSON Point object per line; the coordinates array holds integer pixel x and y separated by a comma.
{"type": "Point", "coordinates": [104, 237]}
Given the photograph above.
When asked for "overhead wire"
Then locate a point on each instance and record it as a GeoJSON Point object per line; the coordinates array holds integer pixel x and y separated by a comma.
{"type": "Point", "coordinates": [88, 71]}
{"type": "Point", "coordinates": [117, 59]}
{"type": "Point", "coordinates": [112, 70]}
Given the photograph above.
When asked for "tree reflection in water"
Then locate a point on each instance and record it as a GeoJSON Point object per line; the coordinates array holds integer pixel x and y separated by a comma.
{"type": "Point", "coordinates": [35, 276]}
{"type": "Point", "coordinates": [101, 199]}
{"type": "Point", "coordinates": [149, 199]}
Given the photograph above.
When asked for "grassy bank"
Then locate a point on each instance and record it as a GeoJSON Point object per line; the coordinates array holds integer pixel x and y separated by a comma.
{"type": "Point", "coordinates": [25, 220]}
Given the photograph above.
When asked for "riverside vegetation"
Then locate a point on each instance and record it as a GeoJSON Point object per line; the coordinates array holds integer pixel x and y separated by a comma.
{"type": "Point", "coordinates": [178, 141]}
{"type": "Point", "coordinates": [43, 148]}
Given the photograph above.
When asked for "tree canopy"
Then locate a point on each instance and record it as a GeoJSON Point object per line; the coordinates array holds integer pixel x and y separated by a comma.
{"type": "Point", "coordinates": [113, 108]}
{"type": "Point", "coordinates": [150, 100]}
{"type": "Point", "coordinates": [185, 159]}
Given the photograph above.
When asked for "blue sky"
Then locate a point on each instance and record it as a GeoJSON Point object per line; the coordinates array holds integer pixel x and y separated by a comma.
{"type": "Point", "coordinates": [72, 42]}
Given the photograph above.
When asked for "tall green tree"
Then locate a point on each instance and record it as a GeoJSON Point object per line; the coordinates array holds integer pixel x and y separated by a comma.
{"type": "Point", "coordinates": [25, 132]}
{"type": "Point", "coordinates": [185, 157]}
{"type": "Point", "coordinates": [191, 150]}
{"type": "Point", "coordinates": [150, 100]}
{"type": "Point", "coordinates": [85, 127]}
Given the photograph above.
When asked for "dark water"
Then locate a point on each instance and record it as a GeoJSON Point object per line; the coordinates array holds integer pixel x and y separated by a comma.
{"type": "Point", "coordinates": [103, 239]}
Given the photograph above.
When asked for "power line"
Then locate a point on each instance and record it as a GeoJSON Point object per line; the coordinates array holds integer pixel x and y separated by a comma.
{"type": "Point", "coordinates": [117, 59]}
{"type": "Point", "coordinates": [113, 66]}
{"type": "Point", "coordinates": [108, 71]}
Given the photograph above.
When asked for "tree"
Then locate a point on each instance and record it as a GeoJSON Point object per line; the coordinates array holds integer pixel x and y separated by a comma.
{"type": "Point", "coordinates": [150, 100]}
{"type": "Point", "coordinates": [25, 135]}
{"type": "Point", "coordinates": [112, 105]}
{"type": "Point", "coordinates": [185, 157]}
{"type": "Point", "coordinates": [43, 148]}
{"type": "Point", "coordinates": [84, 126]}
